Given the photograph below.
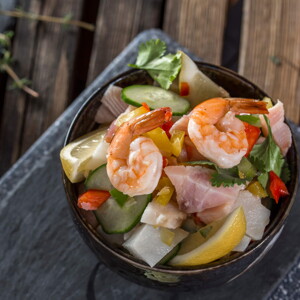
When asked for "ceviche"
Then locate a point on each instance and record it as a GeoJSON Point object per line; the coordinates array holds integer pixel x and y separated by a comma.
{"type": "Point", "coordinates": [181, 172]}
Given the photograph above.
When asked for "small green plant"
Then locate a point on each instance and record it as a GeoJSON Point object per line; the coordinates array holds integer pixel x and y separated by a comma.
{"type": "Point", "coordinates": [6, 62]}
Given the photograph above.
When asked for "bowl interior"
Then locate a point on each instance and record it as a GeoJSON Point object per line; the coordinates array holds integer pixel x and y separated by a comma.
{"type": "Point", "coordinates": [237, 86]}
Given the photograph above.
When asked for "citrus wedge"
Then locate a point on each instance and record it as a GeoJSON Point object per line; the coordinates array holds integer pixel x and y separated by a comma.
{"type": "Point", "coordinates": [213, 241]}
{"type": "Point", "coordinates": [75, 156]}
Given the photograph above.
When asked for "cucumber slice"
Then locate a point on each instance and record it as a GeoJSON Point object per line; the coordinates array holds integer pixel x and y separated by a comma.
{"type": "Point", "coordinates": [116, 219]}
{"type": "Point", "coordinates": [155, 97]}
{"type": "Point", "coordinates": [170, 255]}
{"type": "Point", "coordinates": [98, 180]}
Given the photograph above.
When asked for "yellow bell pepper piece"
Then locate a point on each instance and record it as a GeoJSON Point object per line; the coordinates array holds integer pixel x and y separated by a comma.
{"type": "Point", "coordinates": [257, 189]}
{"type": "Point", "coordinates": [161, 140]}
{"type": "Point", "coordinates": [268, 101]}
{"type": "Point", "coordinates": [164, 181]}
{"type": "Point", "coordinates": [167, 236]}
{"type": "Point", "coordinates": [177, 140]}
{"type": "Point", "coordinates": [164, 195]}
{"type": "Point", "coordinates": [131, 115]}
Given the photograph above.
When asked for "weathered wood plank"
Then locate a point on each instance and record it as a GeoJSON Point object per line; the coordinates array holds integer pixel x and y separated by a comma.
{"type": "Point", "coordinates": [197, 25]}
{"type": "Point", "coordinates": [15, 102]}
{"type": "Point", "coordinates": [45, 53]}
{"type": "Point", "coordinates": [271, 30]}
{"type": "Point", "coordinates": [118, 22]}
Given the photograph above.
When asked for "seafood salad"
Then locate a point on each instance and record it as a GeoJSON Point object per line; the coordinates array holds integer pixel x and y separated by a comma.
{"type": "Point", "coordinates": [179, 172]}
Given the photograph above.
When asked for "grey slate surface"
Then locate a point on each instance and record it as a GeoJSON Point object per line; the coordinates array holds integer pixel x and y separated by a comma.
{"type": "Point", "coordinates": [43, 257]}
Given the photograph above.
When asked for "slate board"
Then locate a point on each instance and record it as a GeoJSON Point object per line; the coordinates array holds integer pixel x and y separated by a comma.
{"type": "Point", "coordinates": [43, 257]}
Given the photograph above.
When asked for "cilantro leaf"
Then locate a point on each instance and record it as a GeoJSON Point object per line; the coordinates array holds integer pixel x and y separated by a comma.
{"type": "Point", "coordinates": [263, 179]}
{"type": "Point", "coordinates": [268, 152]}
{"type": "Point", "coordinates": [250, 119]}
{"type": "Point", "coordinates": [119, 197]}
{"type": "Point", "coordinates": [163, 69]}
{"type": "Point", "coordinates": [226, 177]}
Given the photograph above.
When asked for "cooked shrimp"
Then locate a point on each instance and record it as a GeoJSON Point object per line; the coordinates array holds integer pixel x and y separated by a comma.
{"type": "Point", "coordinates": [215, 131]}
{"type": "Point", "coordinates": [134, 163]}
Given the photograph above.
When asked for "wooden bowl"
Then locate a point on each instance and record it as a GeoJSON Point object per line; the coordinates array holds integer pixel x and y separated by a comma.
{"type": "Point", "coordinates": [164, 277]}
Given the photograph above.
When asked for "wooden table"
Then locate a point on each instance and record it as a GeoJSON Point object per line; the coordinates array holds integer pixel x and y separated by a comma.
{"type": "Point", "coordinates": [259, 38]}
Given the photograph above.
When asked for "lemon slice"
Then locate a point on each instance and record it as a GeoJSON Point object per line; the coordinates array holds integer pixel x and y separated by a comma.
{"type": "Point", "coordinates": [213, 241]}
{"type": "Point", "coordinates": [75, 156]}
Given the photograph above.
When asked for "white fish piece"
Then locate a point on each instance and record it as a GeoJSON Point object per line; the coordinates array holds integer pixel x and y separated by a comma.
{"type": "Point", "coordinates": [168, 216]}
{"type": "Point", "coordinates": [112, 105]}
{"type": "Point", "coordinates": [215, 213]}
{"type": "Point", "coordinates": [281, 132]}
{"type": "Point", "coordinates": [146, 244]}
{"type": "Point", "coordinates": [194, 190]}
{"type": "Point", "coordinates": [257, 215]}
{"type": "Point", "coordinates": [242, 246]}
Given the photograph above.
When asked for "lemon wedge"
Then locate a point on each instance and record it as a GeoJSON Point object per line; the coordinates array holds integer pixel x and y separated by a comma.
{"type": "Point", "coordinates": [76, 155]}
{"type": "Point", "coordinates": [213, 241]}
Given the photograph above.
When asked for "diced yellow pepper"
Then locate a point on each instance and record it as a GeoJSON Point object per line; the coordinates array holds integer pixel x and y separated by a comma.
{"type": "Point", "coordinates": [164, 195]}
{"type": "Point", "coordinates": [268, 101]}
{"type": "Point", "coordinates": [167, 236]}
{"type": "Point", "coordinates": [177, 140]}
{"type": "Point", "coordinates": [164, 181]}
{"type": "Point", "coordinates": [161, 140]}
{"type": "Point", "coordinates": [257, 189]}
{"type": "Point", "coordinates": [135, 113]}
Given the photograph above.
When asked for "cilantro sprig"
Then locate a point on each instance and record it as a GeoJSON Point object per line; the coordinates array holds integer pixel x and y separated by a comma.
{"type": "Point", "coordinates": [267, 156]}
{"type": "Point", "coordinates": [162, 68]}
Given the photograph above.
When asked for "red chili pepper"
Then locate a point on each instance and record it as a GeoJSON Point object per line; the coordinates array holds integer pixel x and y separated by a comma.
{"type": "Point", "coordinates": [184, 89]}
{"type": "Point", "coordinates": [167, 126]}
{"type": "Point", "coordinates": [165, 162]}
{"type": "Point", "coordinates": [92, 199]}
{"type": "Point", "coordinates": [277, 187]}
{"type": "Point", "coordinates": [146, 106]}
{"type": "Point", "coordinates": [252, 134]}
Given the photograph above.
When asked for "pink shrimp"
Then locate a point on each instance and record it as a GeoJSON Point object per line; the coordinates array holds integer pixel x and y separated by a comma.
{"type": "Point", "coordinates": [217, 133]}
{"type": "Point", "coordinates": [134, 163]}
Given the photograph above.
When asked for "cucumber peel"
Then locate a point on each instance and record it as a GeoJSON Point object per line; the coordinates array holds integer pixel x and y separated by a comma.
{"type": "Point", "coordinates": [155, 97]}
{"type": "Point", "coordinates": [116, 219]}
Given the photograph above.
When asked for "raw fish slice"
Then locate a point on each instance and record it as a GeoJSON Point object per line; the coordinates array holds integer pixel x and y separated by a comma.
{"type": "Point", "coordinates": [281, 132]}
{"type": "Point", "coordinates": [215, 213]}
{"type": "Point", "coordinates": [257, 215]}
{"type": "Point", "coordinates": [112, 105]}
{"type": "Point", "coordinates": [194, 190]}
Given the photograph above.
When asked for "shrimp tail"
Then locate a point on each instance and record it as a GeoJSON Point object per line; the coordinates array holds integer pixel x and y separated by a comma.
{"type": "Point", "coordinates": [250, 106]}
{"type": "Point", "coordinates": [151, 120]}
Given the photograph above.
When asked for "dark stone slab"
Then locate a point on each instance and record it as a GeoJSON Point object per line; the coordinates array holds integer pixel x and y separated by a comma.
{"type": "Point", "coordinates": [43, 257]}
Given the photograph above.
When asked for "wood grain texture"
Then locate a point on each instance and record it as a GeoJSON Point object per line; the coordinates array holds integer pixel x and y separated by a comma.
{"type": "Point", "coordinates": [198, 25]}
{"type": "Point", "coordinates": [14, 106]}
{"type": "Point", "coordinates": [118, 22]}
{"type": "Point", "coordinates": [271, 29]}
{"type": "Point", "coordinates": [45, 53]}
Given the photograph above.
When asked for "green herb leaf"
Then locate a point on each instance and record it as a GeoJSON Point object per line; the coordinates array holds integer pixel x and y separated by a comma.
{"type": "Point", "coordinates": [263, 179]}
{"type": "Point", "coordinates": [163, 69]}
{"type": "Point", "coordinates": [119, 197]}
{"type": "Point", "coordinates": [250, 119]}
{"type": "Point", "coordinates": [226, 177]}
{"type": "Point", "coordinates": [267, 153]}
